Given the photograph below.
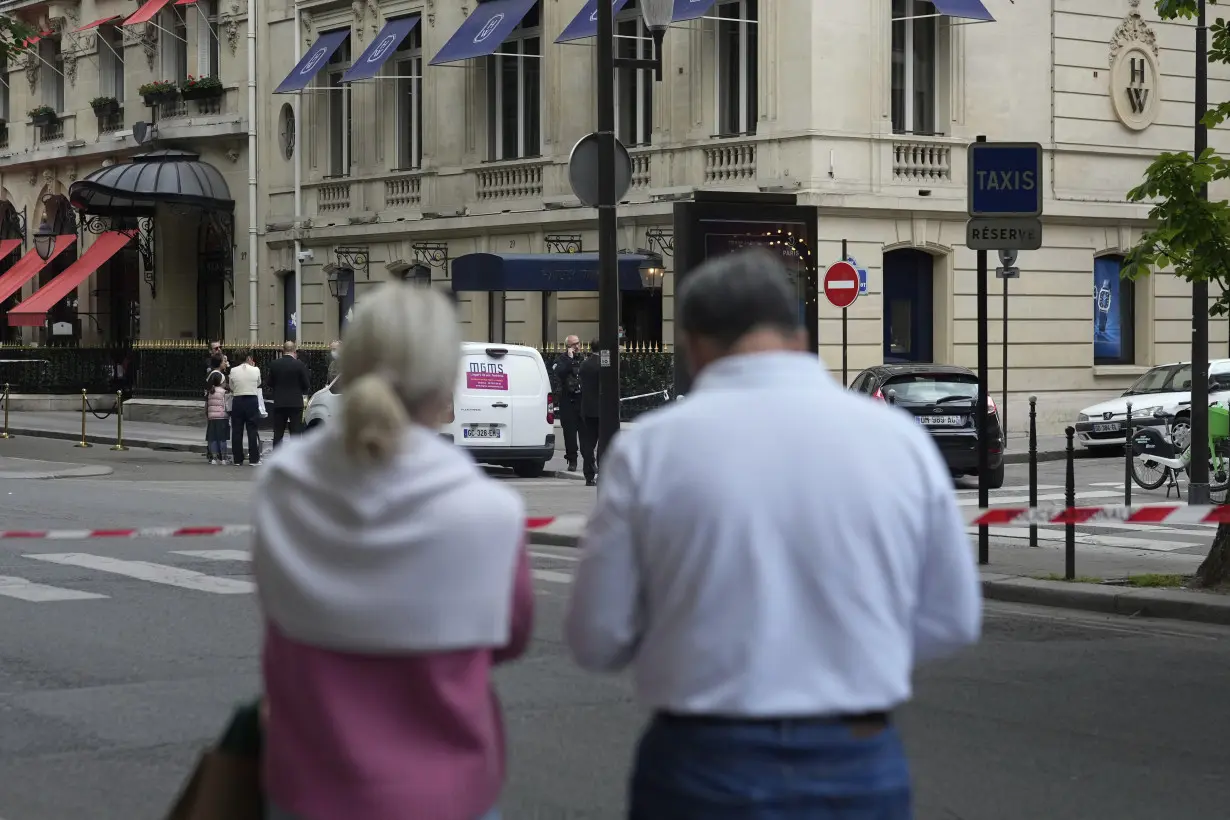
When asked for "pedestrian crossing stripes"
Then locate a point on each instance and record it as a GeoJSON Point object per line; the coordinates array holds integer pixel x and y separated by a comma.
{"type": "Point", "coordinates": [103, 567]}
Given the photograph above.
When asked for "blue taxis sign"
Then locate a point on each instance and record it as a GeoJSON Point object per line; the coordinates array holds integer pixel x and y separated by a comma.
{"type": "Point", "coordinates": [1005, 179]}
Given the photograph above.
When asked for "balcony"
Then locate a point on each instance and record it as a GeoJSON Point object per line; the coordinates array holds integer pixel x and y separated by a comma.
{"type": "Point", "coordinates": [195, 119]}
{"type": "Point", "coordinates": [515, 179]}
{"type": "Point", "coordinates": [111, 123]}
{"type": "Point", "coordinates": [48, 134]}
{"type": "Point", "coordinates": [921, 160]}
{"type": "Point", "coordinates": [4, 137]}
{"type": "Point", "coordinates": [331, 196]}
{"type": "Point", "coordinates": [403, 191]}
{"type": "Point", "coordinates": [730, 163]}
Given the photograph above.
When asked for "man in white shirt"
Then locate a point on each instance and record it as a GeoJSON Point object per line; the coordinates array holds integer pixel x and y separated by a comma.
{"type": "Point", "coordinates": [772, 557]}
{"type": "Point", "coordinates": [245, 409]}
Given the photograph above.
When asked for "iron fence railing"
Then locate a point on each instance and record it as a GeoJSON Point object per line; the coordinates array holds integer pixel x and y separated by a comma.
{"type": "Point", "coordinates": [176, 370]}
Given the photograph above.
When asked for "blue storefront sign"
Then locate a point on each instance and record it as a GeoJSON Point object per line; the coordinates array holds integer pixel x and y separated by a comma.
{"type": "Point", "coordinates": [1005, 179]}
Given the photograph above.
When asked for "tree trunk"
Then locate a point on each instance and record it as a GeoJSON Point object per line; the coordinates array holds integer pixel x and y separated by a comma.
{"type": "Point", "coordinates": [1215, 569]}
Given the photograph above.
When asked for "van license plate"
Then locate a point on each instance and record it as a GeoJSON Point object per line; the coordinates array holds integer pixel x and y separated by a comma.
{"type": "Point", "coordinates": [480, 432]}
{"type": "Point", "coordinates": [1107, 428]}
{"type": "Point", "coordinates": [941, 421]}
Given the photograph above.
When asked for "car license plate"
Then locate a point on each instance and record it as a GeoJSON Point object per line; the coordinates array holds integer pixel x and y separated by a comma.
{"type": "Point", "coordinates": [1113, 427]}
{"type": "Point", "coordinates": [474, 431]}
{"type": "Point", "coordinates": [941, 421]}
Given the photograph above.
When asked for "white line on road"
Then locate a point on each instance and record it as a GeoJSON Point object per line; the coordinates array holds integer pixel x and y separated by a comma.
{"type": "Point", "coordinates": [1024, 499]}
{"type": "Point", "coordinates": [552, 577]}
{"type": "Point", "coordinates": [215, 555]}
{"type": "Point", "coordinates": [553, 557]}
{"type": "Point", "coordinates": [154, 573]}
{"type": "Point", "coordinates": [24, 590]}
{"type": "Point", "coordinates": [1094, 540]}
{"type": "Point", "coordinates": [1020, 488]}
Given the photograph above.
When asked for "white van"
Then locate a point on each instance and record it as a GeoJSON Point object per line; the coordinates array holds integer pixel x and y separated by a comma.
{"type": "Point", "coordinates": [502, 407]}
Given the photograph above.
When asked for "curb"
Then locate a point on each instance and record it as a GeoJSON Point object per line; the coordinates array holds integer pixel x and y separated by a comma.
{"type": "Point", "coordinates": [1148, 603]}
{"type": "Point", "coordinates": [75, 472]}
{"type": "Point", "coordinates": [1049, 455]}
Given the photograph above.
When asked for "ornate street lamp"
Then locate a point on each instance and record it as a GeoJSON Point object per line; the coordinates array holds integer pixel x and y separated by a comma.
{"type": "Point", "coordinates": [339, 280]}
{"type": "Point", "coordinates": [44, 241]}
{"type": "Point", "coordinates": [652, 272]}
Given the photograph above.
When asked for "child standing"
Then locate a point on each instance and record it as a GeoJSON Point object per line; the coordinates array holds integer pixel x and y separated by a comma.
{"type": "Point", "coordinates": [218, 427]}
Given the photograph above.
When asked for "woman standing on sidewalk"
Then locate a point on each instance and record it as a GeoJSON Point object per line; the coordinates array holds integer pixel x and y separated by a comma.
{"type": "Point", "coordinates": [393, 578]}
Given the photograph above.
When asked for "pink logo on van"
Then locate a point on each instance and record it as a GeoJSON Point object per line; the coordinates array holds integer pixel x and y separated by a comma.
{"type": "Point", "coordinates": [486, 381]}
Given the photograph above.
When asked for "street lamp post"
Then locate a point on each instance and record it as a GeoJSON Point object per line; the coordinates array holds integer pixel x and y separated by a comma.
{"type": "Point", "coordinates": [44, 241]}
{"type": "Point", "coordinates": [1198, 489]}
{"type": "Point", "coordinates": [657, 15]}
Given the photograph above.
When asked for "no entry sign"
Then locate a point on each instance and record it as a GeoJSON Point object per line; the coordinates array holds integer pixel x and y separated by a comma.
{"type": "Point", "coordinates": [841, 284]}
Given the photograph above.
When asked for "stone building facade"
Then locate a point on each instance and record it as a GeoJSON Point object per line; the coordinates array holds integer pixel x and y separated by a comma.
{"type": "Point", "coordinates": [175, 278]}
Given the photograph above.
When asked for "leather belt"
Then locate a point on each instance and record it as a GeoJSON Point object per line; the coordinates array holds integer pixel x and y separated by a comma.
{"type": "Point", "coordinates": [877, 720]}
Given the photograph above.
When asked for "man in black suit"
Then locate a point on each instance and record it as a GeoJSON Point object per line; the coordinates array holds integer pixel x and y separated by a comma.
{"type": "Point", "coordinates": [290, 383]}
{"type": "Point", "coordinates": [591, 370]}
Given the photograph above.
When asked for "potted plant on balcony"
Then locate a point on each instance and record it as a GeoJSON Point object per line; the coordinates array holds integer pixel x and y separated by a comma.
{"type": "Point", "coordinates": [158, 92]}
{"type": "Point", "coordinates": [43, 115]}
{"type": "Point", "coordinates": [105, 106]}
{"type": "Point", "coordinates": [201, 88]}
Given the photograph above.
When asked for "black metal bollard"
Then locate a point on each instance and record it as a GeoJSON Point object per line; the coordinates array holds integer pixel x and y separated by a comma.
{"type": "Point", "coordinates": [1069, 500]}
{"type": "Point", "coordinates": [1127, 460]}
{"type": "Point", "coordinates": [1033, 465]}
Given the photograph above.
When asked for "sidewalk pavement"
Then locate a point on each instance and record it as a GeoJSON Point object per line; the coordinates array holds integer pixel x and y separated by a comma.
{"type": "Point", "coordinates": [1025, 575]}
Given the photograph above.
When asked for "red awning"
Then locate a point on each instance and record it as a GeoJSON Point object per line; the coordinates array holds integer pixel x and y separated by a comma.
{"type": "Point", "coordinates": [184, 2]}
{"type": "Point", "coordinates": [28, 266]}
{"type": "Point", "coordinates": [146, 12]}
{"type": "Point", "coordinates": [33, 311]}
{"type": "Point", "coordinates": [7, 246]}
{"type": "Point", "coordinates": [32, 40]}
{"type": "Point", "coordinates": [97, 23]}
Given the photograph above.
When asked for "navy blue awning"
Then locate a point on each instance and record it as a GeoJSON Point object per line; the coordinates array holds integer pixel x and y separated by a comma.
{"type": "Point", "coordinates": [484, 31]}
{"type": "Point", "coordinates": [585, 24]}
{"type": "Point", "coordinates": [965, 9]}
{"type": "Point", "coordinates": [385, 43]}
{"type": "Point", "coordinates": [495, 272]}
{"type": "Point", "coordinates": [691, 9]}
{"type": "Point", "coordinates": [311, 64]}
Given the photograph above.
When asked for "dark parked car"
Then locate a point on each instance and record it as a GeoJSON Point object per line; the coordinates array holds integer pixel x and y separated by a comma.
{"type": "Point", "coordinates": [943, 398]}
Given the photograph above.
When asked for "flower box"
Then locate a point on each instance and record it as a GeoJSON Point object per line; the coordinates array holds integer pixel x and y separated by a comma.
{"type": "Point", "coordinates": [106, 108]}
{"type": "Point", "coordinates": [201, 93]}
{"type": "Point", "coordinates": [159, 97]}
{"type": "Point", "coordinates": [201, 88]}
{"type": "Point", "coordinates": [44, 119]}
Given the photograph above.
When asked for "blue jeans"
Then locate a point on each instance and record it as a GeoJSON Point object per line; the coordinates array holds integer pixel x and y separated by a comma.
{"type": "Point", "coordinates": [769, 770]}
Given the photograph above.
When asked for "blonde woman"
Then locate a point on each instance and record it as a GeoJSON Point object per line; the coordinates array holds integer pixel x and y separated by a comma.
{"type": "Point", "coordinates": [393, 578]}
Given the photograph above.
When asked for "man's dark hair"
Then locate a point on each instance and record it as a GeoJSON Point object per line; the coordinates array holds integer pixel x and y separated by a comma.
{"type": "Point", "coordinates": [733, 295]}
{"type": "Point", "coordinates": [215, 361]}
{"type": "Point", "coordinates": [595, 346]}
{"type": "Point", "coordinates": [242, 354]}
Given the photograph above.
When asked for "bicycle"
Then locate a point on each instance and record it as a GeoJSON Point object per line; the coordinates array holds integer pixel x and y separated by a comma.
{"type": "Point", "coordinates": [1159, 457]}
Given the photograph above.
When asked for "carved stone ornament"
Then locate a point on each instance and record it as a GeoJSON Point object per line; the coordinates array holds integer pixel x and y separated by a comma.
{"type": "Point", "coordinates": [1133, 30]}
{"type": "Point", "coordinates": [374, 8]}
{"type": "Point", "coordinates": [71, 173]}
{"type": "Point", "coordinates": [73, 46]}
{"type": "Point", "coordinates": [359, 9]}
{"type": "Point", "coordinates": [230, 25]}
{"type": "Point", "coordinates": [232, 154]}
{"type": "Point", "coordinates": [149, 42]}
{"type": "Point", "coordinates": [49, 176]}
{"type": "Point", "coordinates": [32, 178]}
{"type": "Point", "coordinates": [32, 67]}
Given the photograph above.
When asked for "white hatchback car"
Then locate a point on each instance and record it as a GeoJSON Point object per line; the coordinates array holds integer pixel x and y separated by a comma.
{"type": "Point", "coordinates": [502, 407]}
{"type": "Point", "coordinates": [1167, 388]}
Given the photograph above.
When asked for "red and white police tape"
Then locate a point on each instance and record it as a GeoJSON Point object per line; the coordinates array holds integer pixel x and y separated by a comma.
{"type": "Point", "coordinates": [994, 517]}
{"type": "Point", "coordinates": [565, 524]}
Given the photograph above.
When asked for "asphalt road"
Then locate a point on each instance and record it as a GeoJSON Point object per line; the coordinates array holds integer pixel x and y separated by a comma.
{"type": "Point", "coordinates": [113, 675]}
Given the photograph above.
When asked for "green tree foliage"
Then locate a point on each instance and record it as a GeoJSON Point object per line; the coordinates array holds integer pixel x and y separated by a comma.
{"type": "Point", "coordinates": [1191, 234]}
{"type": "Point", "coordinates": [13, 35]}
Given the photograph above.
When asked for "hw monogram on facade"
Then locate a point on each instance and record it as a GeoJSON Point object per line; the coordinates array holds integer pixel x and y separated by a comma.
{"type": "Point", "coordinates": [1134, 72]}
